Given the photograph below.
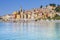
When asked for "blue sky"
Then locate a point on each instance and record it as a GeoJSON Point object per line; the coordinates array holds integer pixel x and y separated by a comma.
{"type": "Point", "coordinates": [9, 6]}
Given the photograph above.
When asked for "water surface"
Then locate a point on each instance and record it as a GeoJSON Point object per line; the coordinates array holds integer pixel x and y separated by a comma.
{"type": "Point", "coordinates": [30, 31]}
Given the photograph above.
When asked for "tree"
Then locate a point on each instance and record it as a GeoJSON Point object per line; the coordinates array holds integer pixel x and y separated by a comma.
{"type": "Point", "coordinates": [58, 5]}
{"type": "Point", "coordinates": [41, 6]}
{"type": "Point", "coordinates": [57, 9]}
{"type": "Point", "coordinates": [54, 5]}
{"type": "Point", "coordinates": [46, 5]}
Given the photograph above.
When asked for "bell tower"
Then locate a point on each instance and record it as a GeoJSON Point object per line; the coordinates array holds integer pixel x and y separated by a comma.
{"type": "Point", "coordinates": [21, 13]}
{"type": "Point", "coordinates": [21, 9]}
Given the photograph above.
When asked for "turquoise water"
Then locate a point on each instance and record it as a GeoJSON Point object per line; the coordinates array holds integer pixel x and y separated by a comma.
{"type": "Point", "coordinates": [30, 31]}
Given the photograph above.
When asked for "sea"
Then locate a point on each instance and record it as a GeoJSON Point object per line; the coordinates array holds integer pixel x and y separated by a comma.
{"type": "Point", "coordinates": [40, 30]}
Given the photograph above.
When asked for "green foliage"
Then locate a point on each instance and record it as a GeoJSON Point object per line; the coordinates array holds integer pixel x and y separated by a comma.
{"type": "Point", "coordinates": [41, 6]}
{"type": "Point", "coordinates": [57, 9]}
{"type": "Point", "coordinates": [57, 17]}
{"type": "Point", "coordinates": [58, 5]}
{"type": "Point", "coordinates": [46, 5]}
{"type": "Point", "coordinates": [54, 5]}
{"type": "Point", "coordinates": [49, 18]}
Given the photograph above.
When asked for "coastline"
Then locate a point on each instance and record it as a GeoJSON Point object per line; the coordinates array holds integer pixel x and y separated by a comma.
{"type": "Point", "coordinates": [28, 21]}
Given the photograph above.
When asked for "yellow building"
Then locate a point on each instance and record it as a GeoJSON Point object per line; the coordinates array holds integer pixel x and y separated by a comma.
{"type": "Point", "coordinates": [15, 12]}
{"type": "Point", "coordinates": [29, 16]}
{"type": "Point", "coordinates": [24, 16]}
{"type": "Point", "coordinates": [18, 17]}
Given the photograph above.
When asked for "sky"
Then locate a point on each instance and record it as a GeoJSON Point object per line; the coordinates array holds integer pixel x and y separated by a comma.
{"type": "Point", "coordinates": [9, 6]}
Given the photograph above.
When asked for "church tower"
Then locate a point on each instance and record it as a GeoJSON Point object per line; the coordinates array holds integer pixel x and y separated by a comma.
{"type": "Point", "coordinates": [21, 13]}
{"type": "Point", "coordinates": [21, 10]}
